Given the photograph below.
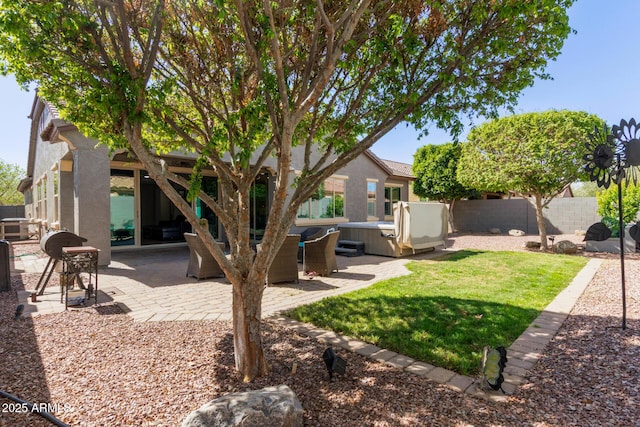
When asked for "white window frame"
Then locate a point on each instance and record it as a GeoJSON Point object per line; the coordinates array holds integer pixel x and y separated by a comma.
{"type": "Point", "coordinates": [325, 220]}
{"type": "Point", "coordinates": [389, 217]}
{"type": "Point", "coordinates": [372, 216]}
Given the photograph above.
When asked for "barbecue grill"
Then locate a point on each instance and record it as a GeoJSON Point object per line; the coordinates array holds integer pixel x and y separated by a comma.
{"type": "Point", "coordinates": [52, 244]}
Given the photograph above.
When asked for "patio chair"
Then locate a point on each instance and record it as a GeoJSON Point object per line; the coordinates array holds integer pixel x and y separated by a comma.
{"type": "Point", "coordinates": [320, 254]}
{"type": "Point", "coordinates": [202, 264]}
{"type": "Point", "coordinates": [310, 233]}
{"type": "Point", "coordinates": [284, 267]}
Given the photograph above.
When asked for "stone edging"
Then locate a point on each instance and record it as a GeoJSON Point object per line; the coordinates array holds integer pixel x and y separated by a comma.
{"type": "Point", "coordinates": [523, 353]}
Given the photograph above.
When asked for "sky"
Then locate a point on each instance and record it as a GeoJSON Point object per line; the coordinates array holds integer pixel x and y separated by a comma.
{"type": "Point", "coordinates": [598, 72]}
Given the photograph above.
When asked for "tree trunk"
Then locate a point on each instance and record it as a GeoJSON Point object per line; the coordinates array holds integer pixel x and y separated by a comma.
{"type": "Point", "coordinates": [542, 228]}
{"type": "Point", "coordinates": [248, 287]}
{"type": "Point", "coordinates": [247, 337]}
{"type": "Point", "coordinates": [451, 225]}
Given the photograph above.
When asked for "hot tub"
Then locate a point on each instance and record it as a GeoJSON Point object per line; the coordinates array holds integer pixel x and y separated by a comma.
{"type": "Point", "coordinates": [424, 226]}
{"type": "Point", "coordinates": [372, 235]}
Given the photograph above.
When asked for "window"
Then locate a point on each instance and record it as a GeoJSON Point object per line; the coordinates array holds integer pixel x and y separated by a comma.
{"type": "Point", "coordinates": [391, 196]}
{"type": "Point", "coordinates": [45, 211]}
{"type": "Point", "coordinates": [371, 198]}
{"type": "Point", "coordinates": [39, 200]}
{"type": "Point", "coordinates": [122, 207]}
{"type": "Point", "coordinates": [41, 192]}
{"type": "Point", "coordinates": [55, 196]}
{"type": "Point", "coordinates": [210, 187]}
{"type": "Point", "coordinates": [327, 201]}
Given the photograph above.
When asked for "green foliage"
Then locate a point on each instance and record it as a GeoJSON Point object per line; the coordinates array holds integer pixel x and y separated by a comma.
{"type": "Point", "coordinates": [449, 308]}
{"type": "Point", "coordinates": [608, 206]}
{"type": "Point", "coordinates": [335, 208]}
{"type": "Point", "coordinates": [534, 153]}
{"type": "Point", "coordinates": [319, 193]}
{"type": "Point", "coordinates": [435, 168]}
{"type": "Point", "coordinates": [584, 189]}
{"type": "Point", "coordinates": [424, 63]}
{"type": "Point", "coordinates": [58, 45]}
{"type": "Point", "coordinates": [10, 176]}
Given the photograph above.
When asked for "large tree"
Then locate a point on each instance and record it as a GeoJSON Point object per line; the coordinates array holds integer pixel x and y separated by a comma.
{"type": "Point", "coordinates": [533, 155]}
{"type": "Point", "coordinates": [435, 168]}
{"type": "Point", "coordinates": [10, 176]}
{"type": "Point", "coordinates": [240, 82]}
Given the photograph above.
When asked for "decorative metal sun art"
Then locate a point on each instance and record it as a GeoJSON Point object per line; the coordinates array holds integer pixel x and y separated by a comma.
{"type": "Point", "coordinates": [626, 137]}
{"type": "Point", "coordinates": [614, 156]}
{"type": "Point", "coordinates": [600, 157]}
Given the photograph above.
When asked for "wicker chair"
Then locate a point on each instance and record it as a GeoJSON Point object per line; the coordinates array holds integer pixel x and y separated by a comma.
{"type": "Point", "coordinates": [309, 233]}
{"type": "Point", "coordinates": [284, 267]}
{"type": "Point", "coordinates": [320, 254]}
{"type": "Point", "coordinates": [202, 264]}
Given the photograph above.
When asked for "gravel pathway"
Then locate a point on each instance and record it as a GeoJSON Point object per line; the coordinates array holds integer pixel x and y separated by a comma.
{"type": "Point", "coordinates": [98, 367]}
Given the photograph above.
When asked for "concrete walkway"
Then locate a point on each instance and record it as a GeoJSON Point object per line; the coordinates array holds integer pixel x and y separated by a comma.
{"type": "Point", "coordinates": [151, 286]}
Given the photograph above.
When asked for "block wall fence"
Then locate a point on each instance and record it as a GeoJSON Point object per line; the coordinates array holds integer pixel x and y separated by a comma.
{"type": "Point", "coordinates": [563, 216]}
{"type": "Point", "coordinates": [12, 211]}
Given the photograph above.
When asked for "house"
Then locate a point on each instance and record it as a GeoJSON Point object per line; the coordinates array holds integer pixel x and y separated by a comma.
{"type": "Point", "coordinates": [74, 183]}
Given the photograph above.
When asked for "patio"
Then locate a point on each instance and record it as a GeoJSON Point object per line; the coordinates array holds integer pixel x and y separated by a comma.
{"type": "Point", "coordinates": [152, 286]}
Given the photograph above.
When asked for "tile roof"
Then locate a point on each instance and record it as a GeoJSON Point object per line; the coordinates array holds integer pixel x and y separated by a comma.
{"type": "Point", "coordinates": [399, 169]}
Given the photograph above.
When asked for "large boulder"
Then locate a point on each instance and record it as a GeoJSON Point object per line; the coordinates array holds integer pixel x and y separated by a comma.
{"type": "Point", "coordinates": [269, 407]}
{"type": "Point", "coordinates": [565, 247]}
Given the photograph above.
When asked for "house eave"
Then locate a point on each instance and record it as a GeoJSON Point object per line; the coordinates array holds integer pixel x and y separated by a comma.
{"type": "Point", "coordinates": [53, 129]}
{"type": "Point", "coordinates": [25, 184]}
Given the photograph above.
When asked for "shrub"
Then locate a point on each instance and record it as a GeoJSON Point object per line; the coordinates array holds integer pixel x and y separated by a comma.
{"type": "Point", "coordinates": [608, 205]}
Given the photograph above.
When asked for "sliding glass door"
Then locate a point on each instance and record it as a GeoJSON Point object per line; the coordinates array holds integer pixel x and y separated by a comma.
{"type": "Point", "coordinates": [122, 207]}
{"type": "Point", "coordinates": [141, 214]}
{"type": "Point", "coordinates": [210, 187]}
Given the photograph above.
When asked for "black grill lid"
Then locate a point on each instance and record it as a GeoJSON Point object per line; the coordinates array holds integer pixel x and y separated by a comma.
{"type": "Point", "coordinates": [53, 242]}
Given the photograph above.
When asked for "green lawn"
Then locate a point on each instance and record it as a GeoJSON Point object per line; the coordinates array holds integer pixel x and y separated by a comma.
{"type": "Point", "coordinates": [449, 308]}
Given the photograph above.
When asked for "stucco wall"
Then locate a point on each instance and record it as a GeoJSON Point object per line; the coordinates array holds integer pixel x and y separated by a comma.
{"type": "Point", "coordinates": [359, 171]}
{"type": "Point", "coordinates": [91, 194]}
{"type": "Point", "coordinates": [563, 215]}
{"type": "Point", "coordinates": [46, 165]}
{"type": "Point", "coordinates": [73, 168]}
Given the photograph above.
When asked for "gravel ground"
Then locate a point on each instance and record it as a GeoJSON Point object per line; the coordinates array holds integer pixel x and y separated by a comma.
{"type": "Point", "coordinates": [97, 367]}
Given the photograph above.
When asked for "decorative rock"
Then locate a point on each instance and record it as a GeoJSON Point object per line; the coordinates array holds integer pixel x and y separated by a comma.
{"type": "Point", "coordinates": [494, 230]}
{"type": "Point", "coordinates": [270, 406]}
{"type": "Point", "coordinates": [517, 233]}
{"type": "Point", "coordinates": [532, 245]}
{"type": "Point", "coordinates": [565, 247]}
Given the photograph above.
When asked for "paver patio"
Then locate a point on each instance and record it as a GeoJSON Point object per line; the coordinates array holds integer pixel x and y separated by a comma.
{"type": "Point", "coordinates": [152, 285]}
